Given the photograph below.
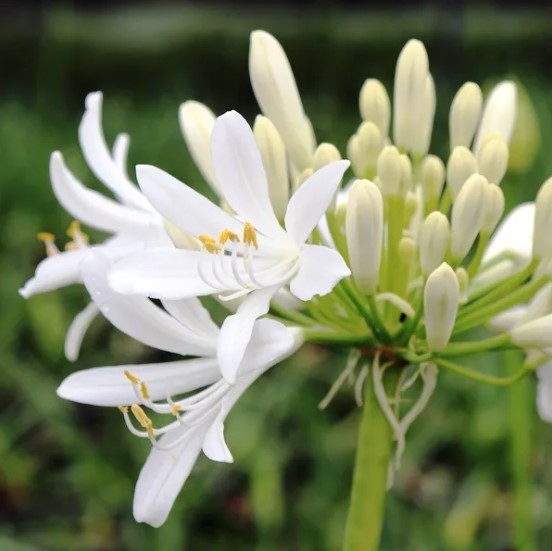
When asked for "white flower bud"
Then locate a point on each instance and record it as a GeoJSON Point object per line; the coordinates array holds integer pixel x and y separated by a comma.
{"type": "Point", "coordinates": [534, 334]}
{"type": "Point", "coordinates": [422, 138]}
{"type": "Point", "coordinates": [441, 297]}
{"type": "Point", "coordinates": [302, 176]}
{"type": "Point", "coordinates": [432, 176]}
{"type": "Point", "coordinates": [276, 92]}
{"type": "Point", "coordinates": [406, 174]}
{"type": "Point", "coordinates": [494, 208]}
{"type": "Point", "coordinates": [542, 241]}
{"type": "Point", "coordinates": [411, 206]}
{"type": "Point", "coordinates": [461, 165]}
{"type": "Point", "coordinates": [325, 154]}
{"type": "Point", "coordinates": [273, 154]}
{"type": "Point", "coordinates": [463, 282]}
{"type": "Point", "coordinates": [410, 94]}
{"type": "Point", "coordinates": [196, 123]}
{"type": "Point", "coordinates": [492, 159]}
{"type": "Point", "coordinates": [364, 231]}
{"type": "Point", "coordinates": [364, 148]}
{"type": "Point", "coordinates": [433, 241]}
{"type": "Point", "coordinates": [374, 104]}
{"type": "Point", "coordinates": [390, 170]}
{"type": "Point", "coordinates": [464, 114]}
{"type": "Point", "coordinates": [406, 249]}
{"type": "Point", "coordinates": [499, 114]}
{"type": "Point", "coordinates": [468, 212]}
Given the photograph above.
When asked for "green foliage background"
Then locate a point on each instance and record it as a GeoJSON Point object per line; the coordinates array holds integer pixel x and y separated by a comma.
{"type": "Point", "coordinates": [67, 471]}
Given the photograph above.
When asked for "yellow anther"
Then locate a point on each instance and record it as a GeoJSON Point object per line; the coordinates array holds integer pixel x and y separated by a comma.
{"type": "Point", "coordinates": [227, 235]}
{"type": "Point", "coordinates": [144, 391]}
{"type": "Point", "coordinates": [141, 416]}
{"type": "Point", "coordinates": [71, 246]}
{"type": "Point", "coordinates": [250, 235]}
{"type": "Point", "coordinates": [211, 246]}
{"type": "Point", "coordinates": [175, 409]}
{"type": "Point", "coordinates": [73, 228]}
{"type": "Point", "coordinates": [123, 409]}
{"type": "Point", "coordinates": [45, 236]}
{"type": "Point", "coordinates": [132, 378]}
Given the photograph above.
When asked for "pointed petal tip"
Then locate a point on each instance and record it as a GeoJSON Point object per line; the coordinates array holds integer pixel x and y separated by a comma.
{"type": "Point", "coordinates": [93, 100]}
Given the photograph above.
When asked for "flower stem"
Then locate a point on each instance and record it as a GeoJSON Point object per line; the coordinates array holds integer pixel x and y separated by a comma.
{"type": "Point", "coordinates": [366, 509]}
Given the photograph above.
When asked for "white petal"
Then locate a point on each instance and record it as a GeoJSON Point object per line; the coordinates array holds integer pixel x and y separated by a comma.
{"type": "Point", "coordinates": [99, 159]}
{"type": "Point", "coordinates": [182, 205]}
{"type": "Point", "coordinates": [78, 328]}
{"type": "Point", "coordinates": [120, 152]}
{"type": "Point", "coordinates": [108, 386]}
{"type": "Point", "coordinates": [164, 474]}
{"type": "Point", "coordinates": [320, 270]}
{"type": "Point", "coordinates": [309, 203]}
{"type": "Point", "coordinates": [138, 317]}
{"type": "Point", "coordinates": [236, 331]}
{"type": "Point", "coordinates": [507, 320]}
{"type": "Point", "coordinates": [92, 207]}
{"type": "Point", "coordinates": [193, 315]}
{"type": "Point", "coordinates": [214, 445]}
{"type": "Point", "coordinates": [160, 273]}
{"type": "Point", "coordinates": [240, 173]}
{"type": "Point", "coordinates": [544, 392]}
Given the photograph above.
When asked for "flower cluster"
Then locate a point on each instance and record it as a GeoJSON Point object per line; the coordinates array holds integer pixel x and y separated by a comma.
{"type": "Point", "coordinates": [399, 264]}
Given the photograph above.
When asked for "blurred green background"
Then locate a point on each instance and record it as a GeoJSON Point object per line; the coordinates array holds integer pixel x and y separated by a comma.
{"type": "Point", "coordinates": [67, 471]}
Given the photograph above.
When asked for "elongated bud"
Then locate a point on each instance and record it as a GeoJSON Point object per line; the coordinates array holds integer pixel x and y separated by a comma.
{"type": "Point", "coordinates": [441, 298]}
{"type": "Point", "coordinates": [461, 165]}
{"type": "Point", "coordinates": [463, 282]}
{"type": "Point", "coordinates": [422, 139]}
{"type": "Point", "coordinates": [196, 123]}
{"type": "Point", "coordinates": [432, 176]}
{"type": "Point", "coordinates": [542, 236]}
{"type": "Point", "coordinates": [389, 167]}
{"type": "Point", "coordinates": [499, 114]}
{"type": "Point", "coordinates": [433, 241]}
{"type": "Point", "coordinates": [406, 174]}
{"type": "Point", "coordinates": [493, 159]}
{"type": "Point", "coordinates": [407, 249]}
{"type": "Point", "coordinates": [494, 208]}
{"type": "Point", "coordinates": [411, 206]}
{"type": "Point", "coordinates": [468, 212]}
{"type": "Point", "coordinates": [409, 98]}
{"type": "Point", "coordinates": [276, 92]}
{"type": "Point", "coordinates": [534, 334]}
{"type": "Point", "coordinates": [302, 176]}
{"type": "Point", "coordinates": [464, 114]}
{"type": "Point", "coordinates": [273, 154]}
{"type": "Point", "coordinates": [374, 104]}
{"type": "Point", "coordinates": [325, 154]}
{"type": "Point", "coordinates": [364, 231]}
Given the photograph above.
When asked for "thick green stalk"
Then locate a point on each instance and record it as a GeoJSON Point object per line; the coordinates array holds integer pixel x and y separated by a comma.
{"type": "Point", "coordinates": [366, 509]}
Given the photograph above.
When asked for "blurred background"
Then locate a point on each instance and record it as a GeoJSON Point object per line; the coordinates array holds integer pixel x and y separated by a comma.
{"type": "Point", "coordinates": [66, 471]}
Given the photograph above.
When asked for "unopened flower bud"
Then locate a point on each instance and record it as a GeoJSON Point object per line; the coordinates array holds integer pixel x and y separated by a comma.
{"type": "Point", "coordinates": [411, 206]}
{"type": "Point", "coordinates": [433, 241]}
{"type": "Point", "coordinates": [364, 148]}
{"type": "Point", "coordinates": [492, 159]}
{"type": "Point", "coordinates": [410, 92]}
{"type": "Point", "coordinates": [432, 176]}
{"type": "Point", "coordinates": [406, 174]}
{"type": "Point", "coordinates": [389, 167]}
{"type": "Point", "coordinates": [536, 333]}
{"type": "Point", "coordinates": [464, 114]}
{"type": "Point", "coordinates": [407, 249]}
{"type": "Point", "coordinates": [542, 242]}
{"type": "Point", "coordinates": [364, 231]}
{"type": "Point", "coordinates": [374, 104]}
{"type": "Point", "coordinates": [441, 297]}
{"type": "Point", "coordinates": [422, 138]}
{"type": "Point", "coordinates": [499, 114]}
{"type": "Point", "coordinates": [494, 208]}
{"type": "Point", "coordinates": [325, 154]}
{"type": "Point", "coordinates": [468, 212]}
{"type": "Point", "coordinates": [196, 123]}
{"type": "Point", "coordinates": [276, 92]}
{"type": "Point", "coordinates": [461, 165]}
{"type": "Point", "coordinates": [273, 154]}
{"type": "Point", "coordinates": [302, 176]}
{"type": "Point", "coordinates": [463, 282]}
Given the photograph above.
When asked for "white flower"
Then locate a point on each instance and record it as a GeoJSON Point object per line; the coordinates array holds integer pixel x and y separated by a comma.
{"type": "Point", "coordinates": [247, 254]}
{"type": "Point", "coordinates": [195, 422]}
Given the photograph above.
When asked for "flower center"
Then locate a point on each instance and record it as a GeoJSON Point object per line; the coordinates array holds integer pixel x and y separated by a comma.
{"type": "Point", "coordinates": [79, 239]}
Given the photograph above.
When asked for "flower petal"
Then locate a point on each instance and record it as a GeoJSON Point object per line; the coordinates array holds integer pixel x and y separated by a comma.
{"type": "Point", "coordinates": [108, 386]}
{"type": "Point", "coordinates": [214, 444]}
{"type": "Point", "coordinates": [182, 205]}
{"type": "Point", "coordinates": [99, 159]}
{"type": "Point", "coordinates": [240, 173]}
{"type": "Point", "coordinates": [544, 392]}
{"type": "Point", "coordinates": [138, 317]}
{"type": "Point", "coordinates": [92, 207]}
{"type": "Point", "coordinates": [120, 152]}
{"type": "Point", "coordinates": [193, 315]}
{"type": "Point", "coordinates": [309, 203]}
{"type": "Point", "coordinates": [320, 270]}
{"type": "Point", "coordinates": [78, 328]}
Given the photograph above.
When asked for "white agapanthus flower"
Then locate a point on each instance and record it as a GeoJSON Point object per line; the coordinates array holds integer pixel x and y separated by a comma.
{"type": "Point", "coordinates": [194, 422]}
{"type": "Point", "coordinates": [248, 254]}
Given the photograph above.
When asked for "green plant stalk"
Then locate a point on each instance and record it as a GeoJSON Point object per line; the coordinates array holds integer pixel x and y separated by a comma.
{"type": "Point", "coordinates": [365, 519]}
{"type": "Point", "coordinates": [520, 409]}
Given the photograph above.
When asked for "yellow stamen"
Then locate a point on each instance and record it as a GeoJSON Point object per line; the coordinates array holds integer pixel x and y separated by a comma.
{"type": "Point", "coordinates": [73, 228]}
{"type": "Point", "coordinates": [45, 236]}
{"type": "Point", "coordinates": [141, 416]}
{"type": "Point", "coordinates": [210, 244]}
{"type": "Point", "coordinates": [132, 378]}
{"type": "Point", "coordinates": [144, 391]}
{"type": "Point", "coordinates": [71, 246]}
{"type": "Point", "coordinates": [175, 409]}
{"type": "Point", "coordinates": [227, 235]}
{"type": "Point", "coordinates": [123, 409]}
{"type": "Point", "coordinates": [250, 235]}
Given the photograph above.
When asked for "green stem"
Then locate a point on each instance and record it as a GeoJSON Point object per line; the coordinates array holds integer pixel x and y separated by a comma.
{"type": "Point", "coordinates": [337, 339]}
{"type": "Point", "coordinates": [365, 519]}
{"type": "Point", "coordinates": [480, 377]}
{"type": "Point", "coordinates": [520, 409]}
{"type": "Point", "coordinates": [474, 347]}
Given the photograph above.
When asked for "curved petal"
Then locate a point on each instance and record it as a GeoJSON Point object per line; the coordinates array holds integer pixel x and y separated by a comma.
{"type": "Point", "coordinates": [214, 444]}
{"type": "Point", "coordinates": [236, 331]}
{"type": "Point", "coordinates": [108, 386]}
{"type": "Point", "coordinates": [120, 152]}
{"type": "Point", "coordinates": [544, 392]}
{"type": "Point", "coordinates": [160, 273]}
{"type": "Point", "coordinates": [182, 205]}
{"type": "Point", "coordinates": [240, 173]}
{"type": "Point", "coordinates": [78, 328]}
{"type": "Point", "coordinates": [319, 272]}
{"type": "Point", "coordinates": [138, 317]}
{"type": "Point", "coordinates": [92, 207]}
{"type": "Point", "coordinates": [309, 203]}
{"type": "Point", "coordinates": [193, 315]}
